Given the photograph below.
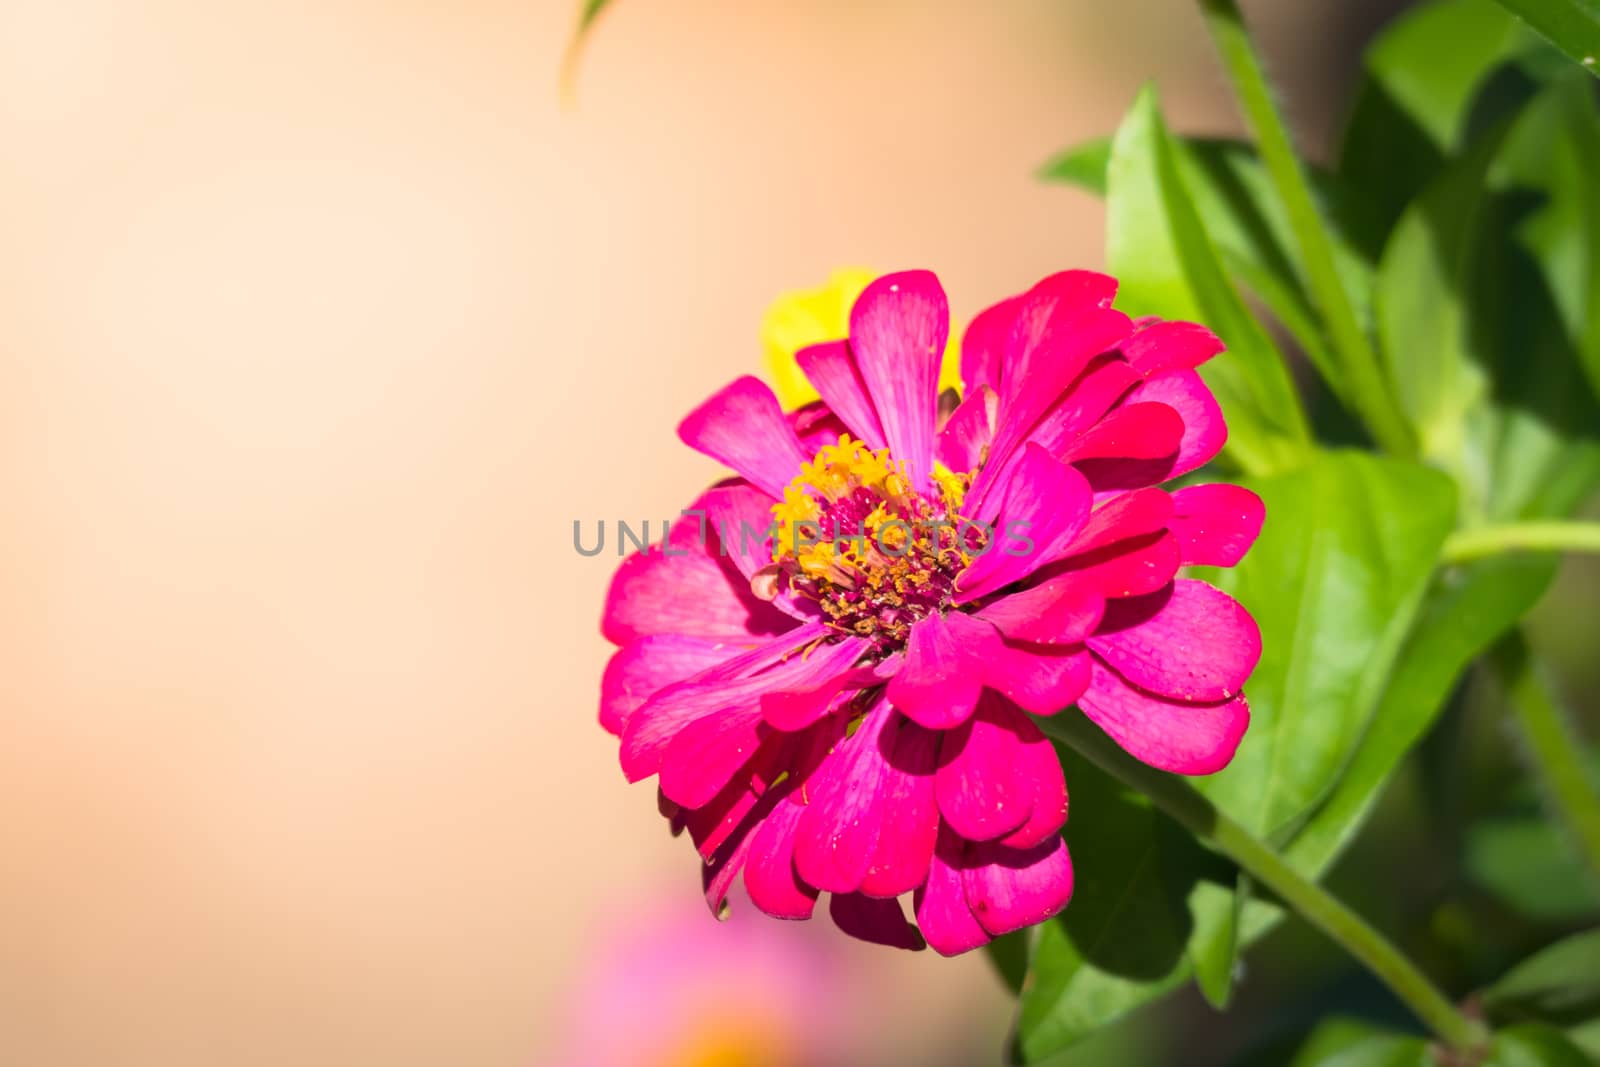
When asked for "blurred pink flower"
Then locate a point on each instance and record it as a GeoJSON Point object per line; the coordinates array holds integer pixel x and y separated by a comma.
{"type": "Point", "coordinates": [657, 992]}
{"type": "Point", "coordinates": [832, 674]}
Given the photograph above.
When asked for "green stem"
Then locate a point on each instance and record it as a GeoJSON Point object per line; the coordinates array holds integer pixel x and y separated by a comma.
{"type": "Point", "coordinates": [1551, 535]}
{"type": "Point", "coordinates": [1555, 749]}
{"type": "Point", "coordinates": [1368, 391]}
{"type": "Point", "coordinates": [1180, 800]}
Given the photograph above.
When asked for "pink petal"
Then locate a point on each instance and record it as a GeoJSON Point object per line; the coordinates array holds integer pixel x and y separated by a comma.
{"type": "Point", "coordinates": [1085, 403]}
{"type": "Point", "coordinates": [1041, 329]}
{"type": "Point", "coordinates": [684, 590]}
{"type": "Point", "coordinates": [839, 828]}
{"type": "Point", "coordinates": [1130, 568]}
{"type": "Point", "coordinates": [744, 427]}
{"type": "Point", "coordinates": [1184, 738]}
{"type": "Point", "coordinates": [832, 368]}
{"type": "Point", "coordinates": [706, 753]}
{"type": "Point", "coordinates": [1159, 346]}
{"type": "Point", "coordinates": [740, 680]}
{"type": "Point", "coordinates": [898, 330]}
{"type": "Point", "coordinates": [1125, 515]}
{"type": "Point", "coordinates": [942, 912]}
{"type": "Point", "coordinates": [878, 921]}
{"type": "Point", "coordinates": [1193, 643]}
{"type": "Point", "coordinates": [982, 790]}
{"type": "Point", "coordinates": [643, 667]}
{"type": "Point", "coordinates": [1009, 889]}
{"type": "Point", "coordinates": [909, 811]}
{"type": "Point", "coordinates": [816, 425]}
{"type": "Point", "coordinates": [717, 877]}
{"type": "Point", "coordinates": [1062, 610]}
{"type": "Point", "coordinates": [1216, 524]}
{"type": "Point", "coordinates": [962, 442]}
{"type": "Point", "coordinates": [938, 683]}
{"type": "Point", "coordinates": [984, 345]}
{"type": "Point", "coordinates": [1205, 431]}
{"type": "Point", "coordinates": [738, 519]}
{"type": "Point", "coordinates": [769, 874]}
{"type": "Point", "coordinates": [1133, 431]}
{"type": "Point", "coordinates": [1046, 504]}
{"type": "Point", "coordinates": [733, 813]}
{"type": "Point", "coordinates": [1061, 324]}
{"type": "Point", "coordinates": [1049, 812]}
{"type": "Point", "coordinates": [1038, 679]}
{"type": "Point", "coordinates": [797, 709]}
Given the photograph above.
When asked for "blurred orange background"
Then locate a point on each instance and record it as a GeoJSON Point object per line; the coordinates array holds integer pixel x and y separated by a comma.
{"type": "Point", "coordinates": [319, 326]}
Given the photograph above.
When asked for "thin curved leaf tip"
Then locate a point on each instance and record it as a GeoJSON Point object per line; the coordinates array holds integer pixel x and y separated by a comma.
{"type": "Point", "coordinates": [588, 12]}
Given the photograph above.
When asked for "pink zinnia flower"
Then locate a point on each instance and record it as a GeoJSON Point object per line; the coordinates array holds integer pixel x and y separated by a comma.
{"type": "Point", "coordinates": [844, 706]}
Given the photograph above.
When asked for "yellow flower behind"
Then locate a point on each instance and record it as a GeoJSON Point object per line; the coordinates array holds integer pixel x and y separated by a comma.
{"type": "Point", "coordinates": [807, 317]}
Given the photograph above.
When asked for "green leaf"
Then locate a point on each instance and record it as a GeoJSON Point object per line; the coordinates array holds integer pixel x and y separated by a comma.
{"type": "Point", "coordinates": [1559, 984]}
{"type": "Point", "coordinates": [1334, 582]}
{"type": "Point", "coordinates": [1247, 224]}
{"type": "Point", "coordinates": [1466, 610]}
{"type": "Point", "coordinates": [1342, 1042]}
{"type": "Point", "coordinates": [1555, 152]}
{"type": "Point", "coordinates": [1571, 25]}
{"type": "Point", "coordinates": [1122, 940]}
{"type": "Point", "coordinates": [1384, 1050]}
{"type": "Point", "coordinates": [1432, 61]}
{"type": "Point", "coordinates": [588, 12]}
{"type": "Point", "coordinates": [1083, 165]}
{"type": "Point", "coordinates": [1535, 1045]}
{"type": "Point", "coordinates": [1158, 246]}
{"type": "Point", "coordinates": [1430, 321]}
{"type": "Point", "coordinates": [1009, 955]}
{"type": "Point", "coordinates": [1348, 548]}
{"type": "Point", "coordinates": [1527, 863]}
{"type": "Point", "coordinates": [1412, 109]}
{"type": "Point", "coordinates": [1534, 450]}
{"type": "Point", "coordinates": [1214, 947]}
{"type": "Point", "coordinates": [1586, 1036]}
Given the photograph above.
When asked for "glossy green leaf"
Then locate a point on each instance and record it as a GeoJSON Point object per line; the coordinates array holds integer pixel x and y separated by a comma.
{"type": "Point", "coordinates": [1432, 61]}
{"type": "Point", "coordinates": [1571, 25]}
{"type": "Point", "coordinates": [1009, 956]}
{"type": "Point", "coordinates": [1083, 165]}
{"type": "Point", "coordinates": [1122, 940]}
{"type": "Point", "coordinates": [1534, 451]}
{"type": "Point", "coordinates": [1430, 280]}
{"type": "Point", "coordinates": [1535, 1045]}
{"type": "Point", "coordinates": [1335, 579]}
{"type": "Point", "coordinates": [1555, 152]}
{"type": "Point", "coordinates": [1384, 1050]}
{"type": "Point", "coordinates": [1411, 112]}
{"type": "Point", "coordinates": [1158, 246]}
{"type": "Point", "coordinates": [1246, 222]}
{"type": "Point", "coordinates": [1334, 582]}
{"type": "Point", "coordinates": [1465, 611]}
{"type": "Point", "coordinates": [1559, 984]}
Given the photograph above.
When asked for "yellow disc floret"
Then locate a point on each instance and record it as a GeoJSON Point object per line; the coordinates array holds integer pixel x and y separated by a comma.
{"type": "Point", "coordinates": [854, 535]}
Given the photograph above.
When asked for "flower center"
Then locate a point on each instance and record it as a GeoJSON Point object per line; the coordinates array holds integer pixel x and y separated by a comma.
{"type": "Point", "coordinates": [873, 552]}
